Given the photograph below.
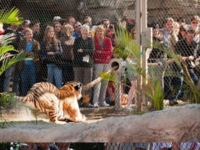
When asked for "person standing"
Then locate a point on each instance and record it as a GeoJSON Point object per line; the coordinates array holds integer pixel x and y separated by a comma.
{"type": "Point", "coordinates": [102, 55]}
{"type": "Point", "coordinates": [28, 68]}
{"type": "Point", "coordinates": [51, 50]}
{"type": "Point", "coordinates": [188, 49]}
{"type": "Point", "coordinates": [70, 20]}
{"type": "Point", "coordinates": [194, 24]}
{"type": "Point", "coordinates": [58, 27]}
{"type": "Point", "coordinates": [13, 30]}
{"type": "Point", "coordinates": [67, 42]}
{"type": "Point", "coordinates": [83, 57]}
{"type": "Point", "coordinates": [77, 29]}
{"type": "Point", "coordinates": [35, 26]}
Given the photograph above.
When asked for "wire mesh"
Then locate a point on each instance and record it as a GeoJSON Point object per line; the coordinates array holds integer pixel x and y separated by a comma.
{"type": "Point", "coordinates": [105, 146]}
{"type": "Point", "coordinates": [179, 16]}
{"type": "Point", "coordinates": [167, 33]}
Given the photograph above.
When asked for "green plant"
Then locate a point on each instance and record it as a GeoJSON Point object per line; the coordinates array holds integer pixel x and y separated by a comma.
{"type": "Point", "coordinates": [190, 89]}
{"type": "Point", "coordinates": [7, 59]}
{"type": "Point", "coordinates": [155, 92]}
{"type": "Point", "coordinates": [127, 47]}
{"type": "Point", "coordinates": [12, 16]}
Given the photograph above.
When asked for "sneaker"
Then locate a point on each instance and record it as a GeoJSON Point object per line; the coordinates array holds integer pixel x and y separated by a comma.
{"type": "Point", "coordinates": [87, 105]}
{"type": "Point", "coordinates": [96, 105]}
{"type": "Point", "coordinates": [128, 108]}
{"type": "Point", "coordinates": [173, 102]}
{"type": "Point", "coordinates": [104, 104]}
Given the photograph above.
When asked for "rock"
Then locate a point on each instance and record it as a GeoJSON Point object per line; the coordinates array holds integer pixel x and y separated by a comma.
{"type": "Point", "coordinates": [173, 124]}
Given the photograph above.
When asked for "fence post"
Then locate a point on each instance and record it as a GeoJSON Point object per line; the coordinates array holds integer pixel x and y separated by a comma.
{"type": "Point", "coordinates": [144, 40]}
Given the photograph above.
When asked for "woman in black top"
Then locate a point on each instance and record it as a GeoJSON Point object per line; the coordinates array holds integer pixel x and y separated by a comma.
{"type": "Point", "coordinates": [83, 57]}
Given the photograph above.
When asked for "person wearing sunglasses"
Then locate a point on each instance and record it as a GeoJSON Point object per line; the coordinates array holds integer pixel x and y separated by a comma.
{"type": "Point", "coordinates": [194, 24]}
{"type": "Point", "coordinates": [77, 29]}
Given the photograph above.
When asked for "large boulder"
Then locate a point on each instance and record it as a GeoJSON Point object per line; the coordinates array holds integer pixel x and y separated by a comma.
{"type": "Point", "coordinates": [173, 124]}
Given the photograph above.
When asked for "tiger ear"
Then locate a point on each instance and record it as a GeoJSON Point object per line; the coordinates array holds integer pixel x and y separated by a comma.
{"type": "Point", "coordinates": [77, 87]}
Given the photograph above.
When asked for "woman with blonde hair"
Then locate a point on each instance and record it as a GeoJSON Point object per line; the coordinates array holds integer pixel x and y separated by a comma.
{"type": "Point", "coordinates": [51, 52]}
{"type": "Point", "coordinates": [102, 56]}
{"type": "Point", "coordinates": [67, 42]}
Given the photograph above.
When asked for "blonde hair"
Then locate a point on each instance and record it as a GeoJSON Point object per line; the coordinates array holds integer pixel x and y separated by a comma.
{"type": "Point", "coordinates": [195, 17]}
{"type": "Point", "coordinates": [168, 19]}
{"type": "Point", "coordinates": [27, 30]}
{"type": "Point", "coordinates": [85, 27]}
{"type": "Point", "coordinates": [67, 29]}
{"type": "Point", "coordinates": [49, 40]}
{"type": "Point", "coordinates": [100, 27]}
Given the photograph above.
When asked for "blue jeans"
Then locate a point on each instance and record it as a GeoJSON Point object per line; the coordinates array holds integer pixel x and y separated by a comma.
{"type": "Point", "coordinates": [193, 76]}
{"type": "Point", "coordinates": [16, 82]}
{"type": "Point", "coordinates": [107, 99]}
{"type": "Point", "coordinates": [8, 73]}
{"type": "Point", "coordinates": [54, 73]}
{"type": "Point", "coordinates": [176, 83]}
{"type": "Point", "coordinates": [28, 77]}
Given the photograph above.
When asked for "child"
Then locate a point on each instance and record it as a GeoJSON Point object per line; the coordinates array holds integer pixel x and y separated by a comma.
{"type": "Point", "coordinates": [110, 93]}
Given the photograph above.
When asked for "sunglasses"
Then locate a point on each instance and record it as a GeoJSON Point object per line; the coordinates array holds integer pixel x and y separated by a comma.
{"type": "Point", "coordinates": [78, 26]}
{"type": "Point", "coordinates": [195, 22]}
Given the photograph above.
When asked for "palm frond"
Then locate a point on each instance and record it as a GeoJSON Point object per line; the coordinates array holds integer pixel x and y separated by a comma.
{"type": "Point", "coordinates": [7, 38]}
{"type": "Point", "coordinates": [6, 64]}
{"type": "Point", "coordinates": [12, 16]}
{"type": "Point", "coordinates": [5, 49]}
{"type": "Point", "coordinates": [126, 45]}
{"type": "Point", "coordinates": [108, 76]}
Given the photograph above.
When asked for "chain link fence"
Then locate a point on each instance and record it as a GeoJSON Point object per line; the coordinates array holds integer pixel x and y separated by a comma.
{"type": "Point", "coordinates": [153, 146]}
{"type": "Point", "coordinates": [175, 26]}
{"type": "Point", "coordinates": [173, 22]}
{"type": "Point", "coordinates": [39, 14]}
{"type": "Point", "coordinates": [105, 146]}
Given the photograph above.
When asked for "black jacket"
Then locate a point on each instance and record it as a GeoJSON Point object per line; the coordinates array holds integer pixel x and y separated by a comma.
{"type": "Point", "coordinates": [88, 49]}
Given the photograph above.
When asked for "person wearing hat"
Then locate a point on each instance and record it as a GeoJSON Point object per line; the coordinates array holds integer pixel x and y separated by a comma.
{"type": "Point", "coordinates": [56, 19]}
{"type": "Point", "coordinates": [155, 53]}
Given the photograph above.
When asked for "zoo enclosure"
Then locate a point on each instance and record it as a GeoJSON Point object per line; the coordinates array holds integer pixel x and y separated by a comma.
{"type": "Point", "coordinates": [117, 11]}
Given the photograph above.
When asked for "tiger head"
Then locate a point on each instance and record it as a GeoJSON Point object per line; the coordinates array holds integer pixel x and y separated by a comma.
{"type": "Point", "coordinates": [71, 89]}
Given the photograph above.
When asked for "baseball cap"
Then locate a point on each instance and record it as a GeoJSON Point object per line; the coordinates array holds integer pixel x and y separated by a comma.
{"type": "Point", "coordinates": [56, 18]}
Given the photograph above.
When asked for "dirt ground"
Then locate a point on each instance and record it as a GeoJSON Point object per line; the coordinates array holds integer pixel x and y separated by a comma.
{"type": "Point", "coordinates": [92, 114]}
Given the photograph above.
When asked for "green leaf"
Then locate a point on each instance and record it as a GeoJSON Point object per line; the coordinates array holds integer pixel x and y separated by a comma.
{"type": "Point", "coordinates": [12, 16]}
{"type": "Point", "coordinates": [5, 49]}
{"type": "Point", "coordinates": [108, 76]}
{"type": "Point", "coordinates": [6, 64]}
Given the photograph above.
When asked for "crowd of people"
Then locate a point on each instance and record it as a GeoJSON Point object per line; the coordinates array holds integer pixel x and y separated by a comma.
{"type": "Point", "coordinates": [63, 50]}
{"type": "Point", "coordinates": [181, 39]}
{"type": "Point", "coordinates": [153, 146]}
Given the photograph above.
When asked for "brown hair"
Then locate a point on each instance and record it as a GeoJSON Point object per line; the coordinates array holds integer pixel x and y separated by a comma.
{"type": "Point", "coordinates": [68, 19]}
{"type": "Point", "coordinates": [49, 40]}
{"type": "Point", "coordinates": [132, 33]}
{"type": "Point", "coordinates": [191, 31]}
